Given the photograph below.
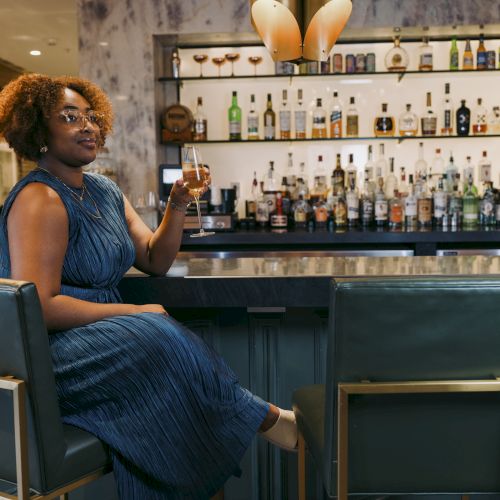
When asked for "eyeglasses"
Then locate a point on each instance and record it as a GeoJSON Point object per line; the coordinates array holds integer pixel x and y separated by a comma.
{"type": "Point", "coordinates": [77, 118]}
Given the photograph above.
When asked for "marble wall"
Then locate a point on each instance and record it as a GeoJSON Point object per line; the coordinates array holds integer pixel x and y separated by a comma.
{"type": "Point", "coordinates": [116, 51]}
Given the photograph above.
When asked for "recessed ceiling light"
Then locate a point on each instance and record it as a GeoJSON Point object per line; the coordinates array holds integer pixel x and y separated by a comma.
{"type": "Point", "coordinates": [121, 98]}
{"type": "Point", "coordinates": [103, 44]}
{"type": "Point", "coordinates": [35, 53]}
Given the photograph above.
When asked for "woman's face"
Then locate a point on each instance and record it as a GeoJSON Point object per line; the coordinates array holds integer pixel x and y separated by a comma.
{"type": "Point", "coordinates": [73, 131]}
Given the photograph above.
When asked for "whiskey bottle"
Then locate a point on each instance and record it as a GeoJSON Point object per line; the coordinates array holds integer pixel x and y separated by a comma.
{"type": "Point", "coordinates": [352, 118]}
{"type": "Point", "coordinates": [397, 58]}
{"type": "Point", "coordinates": [480, 123]}
{"type": "Point", "coordinates": [300, 117]}
{"type": "Point", "coordinates": [463, 119]}
{"type": "Point", "coordinates": [336, 117]}
{"type": "Point", "coordinates": [279, 220]}
{"type": "Point", "coordinates": [319, 121]}
{"type": "Point", "coordinates": [481, 56]}
{"type": "Point", "coordinates": [200, 123]}
{"type": "Point", "coordinates": [468, 59]}
{"type": "Point", "coordinates": [454, 55]}
{"type": "Point", "coordinates": [338, 177]}
{"type": "Point", "coordinates": [269, 120]}
{"type": "Point", "coordinates": [253, 121]}
{"type": "Point", "coordinates": [425, 59]}
{"type": "Point", "coordinates": [447, 128]}
{"type": "Point", "coordinates": [408, 122]}
{"type": "Point", "coordinates": [234, 117]}
{"type": "Point", "coordinates": [340, 209]}
{"type": "Point", "coordinates": [285, 118]}
{"type": "Point", "coordinates": [384, 124]}
{"type": "Point", "coordinates": [429, 119]}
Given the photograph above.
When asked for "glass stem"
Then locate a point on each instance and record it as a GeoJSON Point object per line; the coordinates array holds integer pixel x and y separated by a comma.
{"type": "Point", "coordinates": [196, 199]}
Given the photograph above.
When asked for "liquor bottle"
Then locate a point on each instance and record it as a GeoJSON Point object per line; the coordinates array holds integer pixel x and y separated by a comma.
{"type": "Point", "coordinates": [487, 215]}
{"type": "Point", "coordinates": [454, 56]}
{"type": "Point", "coordinates": [424, 206]}
{"type": "Point", "coordinates": [262, 214]}
{"type": "Point", "coordinates": [480, 122]}
{"type": "Point", "coordinates": [494, 121]}
{"type": "Point", "coordinates": [336, 117]}
{"type": "Point", "coordinates": [436, 170]}
{"type": "Point", "coordinates": [411, 206]}
{"type": "Point", "coordinates": [234, 116]}
{"type": "Point", "coordinates": [381, 166]}
{"type": "Point", "coordinates": [468, 59]}
{"type": "Point", "coordinates": [481, 58]}
{"type": "Point", "coordinates": [463, 119]}
{"type": "Point", "coordinates": [176, 64]}
{"type": "Point", "coordinates": [420, 164]}
{"type": "Point", "coordinates": [470, 205]}
{"type": "Point", "coordinates": [305, 178]}
{"type": "Point", "coordinates": [397, 58]}
{"type": "Point", "coordinates": [440, 204]}
{"type": "Point", "coordinates": [447, 125]}
{"type": "Point", "coordinates": [451, 175]}
{"type": "Point", "coordinates": [403, 189]}
{"type": "Point", "coordinates": [253, 121]}
{"type": "Point", "coordinates": [300, 117]}
{"type": "Point", "coordinates": [468, 171]}
{"type": "Point", "coordinates": [456, 206]}
{"type": "Point", "coordinates": [429, 119]}
{"type": "Point", "coordinates": [269, 120]}
{"type": "Point", "coordinates": [352, 119]}
{"type": "Point", "coordinates": [396, 211]}
{"type": "Point", "coordinates": [271, 188]}
{"type": "Point", "coordinates": [285, 118]}
{"type": "Point", "coordinates": [370, 165]}
{"type": "Point", "coordinates": [485, 168]}
{"type": "Point", "coordinates": [383, 125]}
{"type": "Point", "coordinates": [251, 204]}
{"type": "Point", "coordinates": [352, 200]}
{"type": "Point", "coordinates": [367, 206]}
{"type": "Point", "coordinates": [391, 183]}
{"type": "Point", "coordinates": [279, 220]}
{"type": "Point", "coordinates": [381, 205]}
{"type": "Point", "coordinates": [320, 187]}
{"type": "Point", "coordinates": [340, 209]}
{"type": "Point", "coordinates": [321, 211]}
{"type": "Point", "coordinates": [301, 212]}
{"type": "Point", "coordinates": [319, 121]}
{"type": "Point", "coordinates": [408, 122]}
{"type": "Point", "coordinates": [200, 122]}
{"type": "Point", "coordinates": [338, 177]}
{"type": "Point", "coordinates": [425, 57]}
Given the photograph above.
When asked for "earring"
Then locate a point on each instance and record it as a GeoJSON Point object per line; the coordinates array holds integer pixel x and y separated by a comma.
{"type": "Point", "coordinates": [44, 149]}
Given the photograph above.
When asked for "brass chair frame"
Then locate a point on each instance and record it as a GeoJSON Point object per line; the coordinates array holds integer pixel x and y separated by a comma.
{"type": "Point", "coordinates": [374, 388]}
{"type": "Point", "coordinates": [18, 390]}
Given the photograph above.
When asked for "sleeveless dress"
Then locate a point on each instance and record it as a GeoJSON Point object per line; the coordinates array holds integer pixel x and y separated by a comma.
{"type": "Point", "coordinates": [172, 413]}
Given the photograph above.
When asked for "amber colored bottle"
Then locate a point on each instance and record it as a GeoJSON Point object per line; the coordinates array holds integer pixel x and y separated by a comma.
{"type": "Point", "coordinates": [384, 125]}
{"type": "Point", "coordinates": [468, 60]}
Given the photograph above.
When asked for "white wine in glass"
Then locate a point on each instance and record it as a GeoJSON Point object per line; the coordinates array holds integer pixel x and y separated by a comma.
{"type": "Point", "coordinates": [194, 173]}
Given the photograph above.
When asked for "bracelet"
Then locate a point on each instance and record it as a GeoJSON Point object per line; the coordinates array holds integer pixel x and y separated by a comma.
{"type": "Point", "coordinates": [177, 207]}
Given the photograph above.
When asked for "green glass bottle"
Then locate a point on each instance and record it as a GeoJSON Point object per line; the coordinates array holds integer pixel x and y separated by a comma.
{"type": "Point", "coordinates": [454, 57]}
{"type": "Point", "coordinates": [234, 117]}
{"type": "Point", "coordinates": [470, 205]}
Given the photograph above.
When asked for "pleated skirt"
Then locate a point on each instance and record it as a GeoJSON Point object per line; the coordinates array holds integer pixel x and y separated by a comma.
{"type": "Point", "coordinates": [172, 412]}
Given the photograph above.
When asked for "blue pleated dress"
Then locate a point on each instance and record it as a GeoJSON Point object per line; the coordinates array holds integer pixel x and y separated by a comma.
{"type": "Point", "coordinates": [175, 419]}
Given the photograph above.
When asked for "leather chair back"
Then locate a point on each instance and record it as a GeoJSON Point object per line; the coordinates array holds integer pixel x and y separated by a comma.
{"type": "Point", "coordinates": [25, 355]}
{"type": "Point", "coordinates": [398, 329]}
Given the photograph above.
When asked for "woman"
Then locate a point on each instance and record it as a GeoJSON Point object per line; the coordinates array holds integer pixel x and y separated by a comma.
{"type": "Point", "coordinates": [173, 414]}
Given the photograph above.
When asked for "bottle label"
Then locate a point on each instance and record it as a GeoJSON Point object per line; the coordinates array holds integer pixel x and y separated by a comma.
{"type": "Point", "coordinates": [429, 125]}
{"type": "Point", "coordinates": [262, 214]}
{"type": "Point", "coordinates": [234, 127]}
{"type": "Point", "coordinates": [424, 209]}
{"type": "Point", "coordinates": [321, 214]}
{"type": "Point", "coordinates": [300, 121]}
{"type": "Point", "coordinates": [497, 211]}
{"type": "Point", "coordinates": [482, 59]}
{"type": "Point", "coordinates": [253, 125]}
{"type": "Point", "coordinates": [454, 60]}
{"type": "Point", "coordinates": [396, 214]}
{"type": "Point", "coordinates": [367, 209]}
{"type": "Point", "coordinates": [487, 208]}
{"type": "Point", "coordinates": [439, 205]}
{"type": "Point", "coordinates": [336, 123]}
{"type": "Point", "coordinates": [285, 121]}
{"type": "Point", "coordinates": [447, 119]}
{"type": "Point", "coordinates": [269, 130]}
{"type": "Point", "coordinates": [411, 206]}
{"type": "Point", "coordinates": [270, 199]}
{"type": "Point", "coordinates": [319, 121]}
{"type": "Point", "coordinates": [468, 61]}
{"type": "Point", "coordinates": [485, 173]}
{"type": "Point", "coordinates": [426, 60]}
{"type": "Point", "coordinates": [381, 209]}
{"type": "Point", "coordinates": [352, 207]}
{"type": "Point", "coordinates": [352, 125]}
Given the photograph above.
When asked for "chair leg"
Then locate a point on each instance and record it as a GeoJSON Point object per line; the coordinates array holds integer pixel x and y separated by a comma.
{"type": "Point", "coordinates": [302, 467]}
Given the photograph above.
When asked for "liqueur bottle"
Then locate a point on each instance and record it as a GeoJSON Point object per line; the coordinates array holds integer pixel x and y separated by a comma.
{"type": "Point", "coordinates": [454, 55]}
{"type": "Point", "coordinates": [397, 58]}
{"type": "Point", "coordinates": [234, 117]}
{"type": "Point", "coordinates": [384, 124]}
{"type": "Point", "coordinates": [463, 119]}
{"type": "Point", "coordinates": [300, 117]}
{"type": "Point", "coordinates": [200, 122]}
{"type": "Point", "coordinates": [447, 125]}
{"type": "Point", "coordinates": [468, 59]}
{"type": "Point", "coordinates": [408, 122]}
{"type": "Point", "coordinates": [425, 60]}
{"type": "Point", "coordinates": [481, 56]}
{"type": "Point", "coordinates": [269, 120]}
{"type": "Point", "coordinates": [340, 209]}
{"type": "Point", "coordinates": [319, 121]}
{"type": "Point", "coordinates": [480, 122]}
{"type": "Point", "coordinates": [429, 119]}
{"type": "Point", "coordinates": [285, 117]}
{"type": "Point", "coordinates": [338, 177]}
{"type": "Point", "coordinates": [396, 211]}
{"type": "Point", "coordinates": [253, 121]}
{"type": "Point", "coordinates": [336, 117]}
{"type": "Point", "coordinates": [352, 119]}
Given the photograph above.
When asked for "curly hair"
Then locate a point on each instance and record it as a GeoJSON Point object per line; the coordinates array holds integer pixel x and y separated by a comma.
{"type": "Point", "coordinates": [27, 102]}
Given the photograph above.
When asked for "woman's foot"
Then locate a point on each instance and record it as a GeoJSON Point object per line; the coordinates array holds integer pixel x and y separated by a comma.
{"type": "Point", "coordinates": [280, 428]}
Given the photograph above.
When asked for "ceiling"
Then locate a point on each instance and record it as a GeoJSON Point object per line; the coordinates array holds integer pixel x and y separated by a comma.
{"type": "Point", "coordinates": [49, 26]}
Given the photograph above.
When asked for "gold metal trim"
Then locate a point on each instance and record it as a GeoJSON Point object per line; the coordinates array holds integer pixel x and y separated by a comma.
{"type": "Point", "coordinates": [417, 387]}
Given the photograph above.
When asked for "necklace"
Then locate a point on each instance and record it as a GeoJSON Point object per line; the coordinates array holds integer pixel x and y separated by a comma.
{"type": "Point", "coordinates": [78, 197]}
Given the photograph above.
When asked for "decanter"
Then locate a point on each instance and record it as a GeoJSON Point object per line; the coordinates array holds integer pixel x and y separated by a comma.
{"type": "Point", "coordinates": [397, 58]}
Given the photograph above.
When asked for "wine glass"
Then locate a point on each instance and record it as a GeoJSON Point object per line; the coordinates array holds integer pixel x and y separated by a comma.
{"type": "Point", "coordinates": [200, 59]}
{"type": "Point", "coordinates": [232, 58]}
{"type": "Point", "coordinates": [255, 60]}
{"type": "Point", "coordinates": [194, 174]}
{"type": "Point", "coordinates": [146, 205]}
{"type": "Point", "coordinates": [218, 61]}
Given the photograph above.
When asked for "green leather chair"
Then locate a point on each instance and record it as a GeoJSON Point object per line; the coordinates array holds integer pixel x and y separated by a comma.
{"type": "Point", "coordinates": [411, 403]}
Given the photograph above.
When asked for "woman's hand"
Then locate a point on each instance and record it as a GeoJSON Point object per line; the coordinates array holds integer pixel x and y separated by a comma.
{"type": "Point", "coordinates": [150, 308]}
{"type": "Point", "coordinates": [180, 193]}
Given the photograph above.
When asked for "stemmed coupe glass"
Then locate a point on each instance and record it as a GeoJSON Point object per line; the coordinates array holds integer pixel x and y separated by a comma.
{"type": "Point", "coordinates": [194, 173]}
{"type": "Point", "coordinates": [255, 60]}
{"type": "Point", "coordinates": [232, 58]}
{"type": "Point", "coordinates": [200, 59]}
{"type": "Point", "coordinates": [218, 61]}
